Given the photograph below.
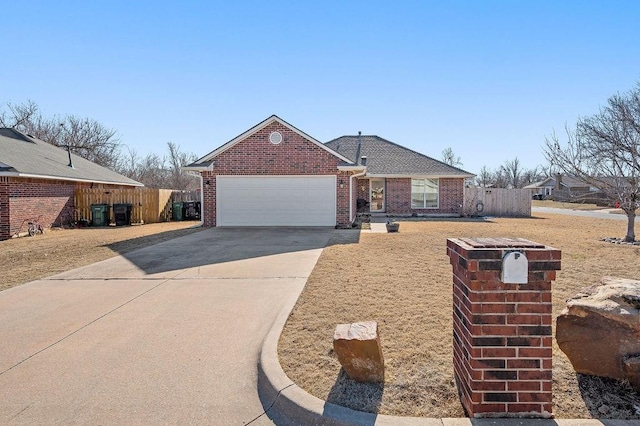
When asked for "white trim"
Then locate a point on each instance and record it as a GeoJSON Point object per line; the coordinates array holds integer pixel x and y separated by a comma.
{"type": "Point", "coordinates": [425, 199]}
{"type": "Point", "coordinates": [70, 179]}
{"type": "Point", "coordinates": [198, 168]}
{"type": "Point", "coordinates": [352, 168]}
{"type": "Point", "coordinates": [419, 176]}
{"type": "Point", "coordinates": [262, 125]}
{"type": "Point", "coordinates": [384, 195]}
{"type": "Point", "coordinates": [277, 176]}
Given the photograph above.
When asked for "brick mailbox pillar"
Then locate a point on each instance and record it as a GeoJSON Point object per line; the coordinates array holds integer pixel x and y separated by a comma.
{"type": "Point", "coordinates": [502, 341]}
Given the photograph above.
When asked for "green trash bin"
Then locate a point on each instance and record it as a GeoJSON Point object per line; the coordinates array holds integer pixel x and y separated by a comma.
{"type": "Point", "coordinates": [100, 214]}
{"type": "Point", "coordinates": [178, 211]}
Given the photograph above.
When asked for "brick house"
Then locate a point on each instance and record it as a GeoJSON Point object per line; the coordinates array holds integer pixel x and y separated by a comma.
{"type": "Point", "coordinates": [276, 175]}
{"type": "Point", "coordinates": [38, 180]}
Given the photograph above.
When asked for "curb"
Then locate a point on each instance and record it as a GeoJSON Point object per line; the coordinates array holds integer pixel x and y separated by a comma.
{"type": "Point", "coordinates": [287, 404]}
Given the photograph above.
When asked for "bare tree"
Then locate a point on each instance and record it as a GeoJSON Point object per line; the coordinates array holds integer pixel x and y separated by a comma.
{"type": "Point", "coordinates": [604, 152]}
{"type": "Point", "coordinates": [18, 115]}
{"type": "Point", "coordinates": [153, 171]}
{"type": "Point", "coordinates": [510, 175]}
{"type": "Point", "coordinates": [500, 179]}
{"type": "Point", "coordinates": [90, 139]}
{"type": "Point", "coordinates": [449, 157]}
{"type": "Point", "coordinates": [512, 171]}
{"type": "Point", "coordinates": [485, 177]}
{"type": "Point", "coordinates": [530, 176]}
{"type": "Point", "coordinates": [85, 137]}
{"type": "Point", "coordinates": [177, 160]}
{"type": "Point", "coordinates": [156, 171]}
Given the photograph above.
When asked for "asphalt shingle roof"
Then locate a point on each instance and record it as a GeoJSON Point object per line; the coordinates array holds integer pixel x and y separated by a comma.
{"type": "Point", "coordinates": [24, 155]}
{"type": "Point", "coordinates": [387, 158]}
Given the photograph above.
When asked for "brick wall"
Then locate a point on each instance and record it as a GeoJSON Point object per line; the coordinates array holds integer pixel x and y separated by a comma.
{"type": "Point", "coordinates": [33, 198]}
{"type": "Point", "coordinates": [354, 197]}
{"type": "Point", "coordinates": [25, 198]}
{"type": "Point", "coordinates": [502, 341]}
{"type": "Point", "coordinates": [295, 155]}
{"type": "Point", "coordinates": [363, 188]}
{"type": "Point", "coordinates": [342, 206]}
{"type": "Point", "coordinates": [5, 231]}
{"type": "Point", "coordinates": [398, 196]}
{"type": "Point", "coordinates": [208, 198]}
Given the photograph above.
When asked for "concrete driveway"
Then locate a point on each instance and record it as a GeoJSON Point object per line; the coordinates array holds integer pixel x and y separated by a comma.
{"type": "Point", "coordinates": [169, 334]}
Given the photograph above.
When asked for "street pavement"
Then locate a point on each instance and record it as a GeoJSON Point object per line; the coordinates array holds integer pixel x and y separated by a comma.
{"type": "Point", "coordinates": [597, 214]}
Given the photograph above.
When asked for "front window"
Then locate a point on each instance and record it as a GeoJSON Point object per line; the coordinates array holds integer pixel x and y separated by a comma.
{"type": "Point", "coordinates": [424, 193]}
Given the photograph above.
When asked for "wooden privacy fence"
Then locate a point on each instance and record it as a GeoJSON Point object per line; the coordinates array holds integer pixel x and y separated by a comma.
{"type": "Point", "coordinates": [148, 205]}
{"type": "Point", "coordinates": [185, 196]}
{"type": "Point", "coordinates": [497, 202]}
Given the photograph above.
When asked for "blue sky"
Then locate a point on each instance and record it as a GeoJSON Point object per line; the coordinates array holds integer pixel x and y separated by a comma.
{"type": "Point", "coordinates": [490, 79]}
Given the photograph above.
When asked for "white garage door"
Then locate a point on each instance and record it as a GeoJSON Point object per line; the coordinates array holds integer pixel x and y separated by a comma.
{"type": "Point", "coordinates": [276, 200]}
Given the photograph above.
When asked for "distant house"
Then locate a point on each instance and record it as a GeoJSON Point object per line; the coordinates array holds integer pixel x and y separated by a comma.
{"type": "Point", "coordinates": [38, 180]}
{"type": "Point", "coordinates": [564, 185]}
{"type": "Point", "coordinates": [274, 174]}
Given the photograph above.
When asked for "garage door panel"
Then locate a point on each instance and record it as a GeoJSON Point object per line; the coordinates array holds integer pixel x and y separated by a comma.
{"type": "Point", "coordinates": [276, 201]}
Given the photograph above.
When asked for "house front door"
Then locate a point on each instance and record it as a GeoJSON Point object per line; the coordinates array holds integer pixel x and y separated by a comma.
{"type": "Point", "coordinates": [377, 195]}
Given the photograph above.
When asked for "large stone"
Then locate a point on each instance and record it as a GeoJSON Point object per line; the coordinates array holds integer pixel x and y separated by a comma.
{"type": "Point", "coordinates": [599, 331]}
{"type": "Point", "coordinates": [358, 349]}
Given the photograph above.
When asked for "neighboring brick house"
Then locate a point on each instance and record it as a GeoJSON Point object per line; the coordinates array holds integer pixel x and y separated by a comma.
{"type": "Point", "coordinates": [276, 175]}
{"type": "Point", "coordinates": [37, 181]}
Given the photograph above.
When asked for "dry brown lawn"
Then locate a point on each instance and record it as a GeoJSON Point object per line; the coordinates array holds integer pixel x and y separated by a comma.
{"type": "Point", "coordinates": [404, 282]}
{"type": "Point", "coordinates": [30, 258]}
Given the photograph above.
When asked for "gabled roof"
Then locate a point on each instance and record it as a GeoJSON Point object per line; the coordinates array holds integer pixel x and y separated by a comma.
{"type": "Point", "coordinates": [385, 158]}
{"type": "Point", "coordinates": [25, 156]}
{"type": "Point", "coordinates": [206, 161]}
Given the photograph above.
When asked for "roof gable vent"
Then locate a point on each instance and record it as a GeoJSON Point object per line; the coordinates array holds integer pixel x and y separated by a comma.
{"type": "Point", "coordinates": [275, 138]}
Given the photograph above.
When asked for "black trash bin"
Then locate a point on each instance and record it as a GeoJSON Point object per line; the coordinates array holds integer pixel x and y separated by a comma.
{"type": "Point", "coordinates": [122, 214]}
{"type": "Point", "coordinates": [100, 214]}
{"type": "Point", "coordinates": [191, 210]}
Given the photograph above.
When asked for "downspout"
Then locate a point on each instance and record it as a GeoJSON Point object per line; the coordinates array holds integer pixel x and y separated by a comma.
{"type": "Point", "coordinates": [199, 175]}
{"type": "Point", "coordinates": [201, 224]}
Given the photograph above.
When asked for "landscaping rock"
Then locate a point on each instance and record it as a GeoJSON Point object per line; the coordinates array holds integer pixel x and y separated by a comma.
{"type": "Point", "coordinates": [621, 241]}
{"type": "Point", "coordinates": [358, 349]}
{"type": "Point", "coordinates": [599, 331]}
